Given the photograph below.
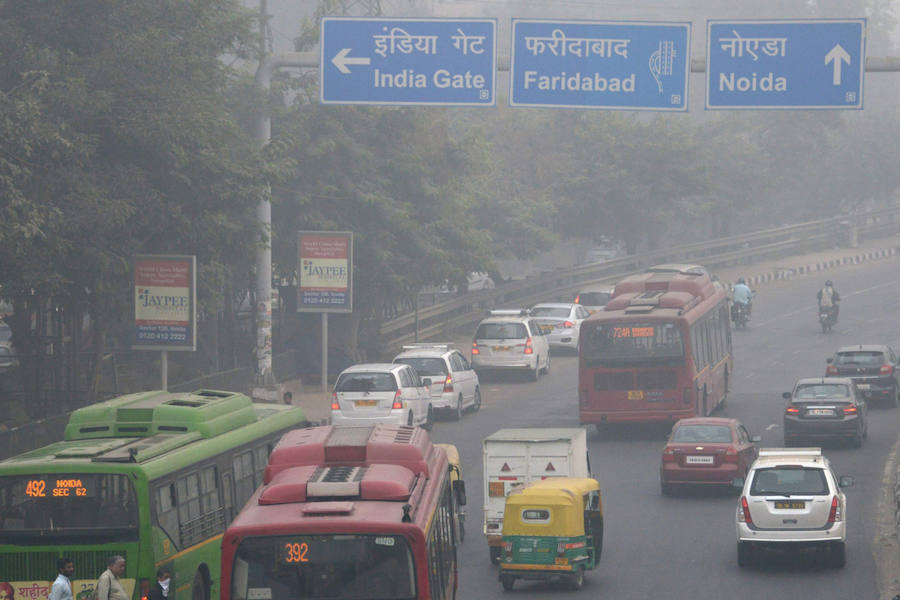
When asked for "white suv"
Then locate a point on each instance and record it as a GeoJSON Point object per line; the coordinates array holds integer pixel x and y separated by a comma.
{"type": "Point", "coordinates": [792, 498]}
{"type": "Point", "coordinates": [454, 384]}
{"type": "Point", "coordinates": [511, 340]}
{"type": "Point", "coordinates": [381, 393]}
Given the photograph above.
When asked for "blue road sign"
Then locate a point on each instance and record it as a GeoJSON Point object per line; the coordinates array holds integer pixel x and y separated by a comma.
{"type": "Point", "coordinates": [785, 64]}
{"type": "Point", "coordinates": [408, 61]}
{"type": "Point", "coordinates": [596, 64]}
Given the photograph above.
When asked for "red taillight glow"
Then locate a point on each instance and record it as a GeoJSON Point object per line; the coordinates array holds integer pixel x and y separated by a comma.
{"type": "Point", "coordinates": [397, 402]}
{"type": "Point", "coordinates": [529, 347]}
{"type": "Point", "coordinates": [668, 455]}
{"type": "Point", "coordinates": [744, 515]}
{"type": "Point", "coordinates": [886, 370]}
{"type": "Point", "coordinates": [835, 514]}
{"type": "Point", "coordinates": [448, 384]}
{"type": "Point", "coordinates": [475, 348]}
{"type": "Point", "coordinates": [334, 402]}
{"type": "Point", "coordinates": [577, 300]}
{"type": "Point", "coordinates": [792, 410]}
{"type": "Point", "coordinates": [145, 589]}
{"type": "Point", "coordinates": [831, 370]}
{"type": "Point", "coordinates": [850, 410]}
{"type": "Point", "coordinates": [568, 324]}
{"type": "Point", "coordinates": [731, 455]}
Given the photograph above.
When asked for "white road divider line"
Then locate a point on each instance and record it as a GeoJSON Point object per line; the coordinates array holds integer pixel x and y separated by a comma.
{"type": "Point", "coordinates": [772, 426]}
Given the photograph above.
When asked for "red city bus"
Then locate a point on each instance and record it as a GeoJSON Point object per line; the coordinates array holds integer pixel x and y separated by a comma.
{"type": "Point", "coordinates": [359, 513]}
{"type": "Point", "coordinates": [660, 350]}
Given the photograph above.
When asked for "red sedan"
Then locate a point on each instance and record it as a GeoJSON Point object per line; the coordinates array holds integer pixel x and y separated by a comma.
{"type": "Point", "coordinates": [706, 451]}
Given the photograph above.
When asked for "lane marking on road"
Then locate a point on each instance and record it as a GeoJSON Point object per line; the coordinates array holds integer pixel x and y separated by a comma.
{"type": "Point", "coordinates": [771, 427]}
{"type": "Point", "coordinates": [815, 306]}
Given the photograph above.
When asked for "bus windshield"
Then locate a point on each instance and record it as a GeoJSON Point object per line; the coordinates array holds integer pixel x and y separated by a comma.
{"type": "Point", "coordinates": [67, 505]}
{"type": "Point", "coordinates": [308, 567]}
{"type": "Point", "coordinates": [633, 343]}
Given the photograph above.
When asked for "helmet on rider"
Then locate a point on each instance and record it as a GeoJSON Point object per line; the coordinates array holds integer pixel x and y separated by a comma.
{"type": "Point", "coordinates": [829, 283]}
{"type": "Point", "coordinates": [741, 280]}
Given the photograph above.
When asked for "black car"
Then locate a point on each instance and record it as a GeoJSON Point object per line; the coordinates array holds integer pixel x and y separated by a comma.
{"type": "Point", "coordinates": [873, 367]}
{"type": "Point", "coordinates": [825, 409]}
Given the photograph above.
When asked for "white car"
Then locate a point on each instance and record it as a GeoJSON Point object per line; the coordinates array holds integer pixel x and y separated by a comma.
{"type": "Point", "coordinates": [594, 299]}
{"type": "Point", "coordinates": [454, 384]}
{"type": "Point", "coordinates": [381, 393]}
{"type": "Point", "coordinates": [790, 499]}
{"type": "Point", "coordinates": [511, 340]}
{"type": "Point", "coordinates": [560, 322]}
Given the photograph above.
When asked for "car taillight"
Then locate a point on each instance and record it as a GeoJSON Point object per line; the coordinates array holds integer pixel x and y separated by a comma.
{"type": "Point", "coordinates": [668, 455]}
{"type": "Point", "coordinates": [334, 402]}
{"type": "Point", "coordinates": [577, 300]}
{"type": "Point", "coordinates": [886, 370]}
{"type": "Point", "coordinates": [831, 370]}
{"type": "Point", "coordinates": [568, 324]}
{"type": "Point", "coordinates": [145, 589]}
{"type": "Point", "coordinates": [744, 514]}
{"type": "Point", "coordinates": [792, 410]}
{"type": "Point", "coordinates": [835, 514]}
{"type": "Point", "coordinates": [529, 348]}
{"type": "Point", "coordinates": [397, 402]}
{"type": "Point", "coordinates": [475, 349]}
{"type": "Point", "coordinates": [850, 410]}
{"type": "Point", "coordinates": [731, 455]}
{"type": "Point", "coordinates": [448, 384]}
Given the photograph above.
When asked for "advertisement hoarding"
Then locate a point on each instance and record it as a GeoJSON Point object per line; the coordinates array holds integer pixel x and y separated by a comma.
{"type": "Point", "coordinates": [165, 302]}
{"type": "Point", "coordinates": [325, 268]}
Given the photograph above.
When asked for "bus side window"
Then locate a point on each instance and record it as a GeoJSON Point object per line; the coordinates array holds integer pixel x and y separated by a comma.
{"type": "Point", "coordinates": [261, 459]}
{"type": "Point", "coordinates": [228, 494]}
{"type": "Point", "coordinates": [243, 477]}
{"type": "Point", "coordinates": [167, 511]}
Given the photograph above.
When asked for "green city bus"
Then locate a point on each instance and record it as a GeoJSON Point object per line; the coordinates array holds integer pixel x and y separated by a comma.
{"type": "Point", "coordinates": [155, 477]}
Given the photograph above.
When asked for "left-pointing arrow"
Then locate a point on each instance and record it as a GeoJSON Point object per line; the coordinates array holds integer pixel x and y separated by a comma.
{"type": "Point", "coordinates": [341, 60]}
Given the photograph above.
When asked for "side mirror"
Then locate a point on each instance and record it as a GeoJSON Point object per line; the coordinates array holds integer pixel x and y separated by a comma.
{"type": "Point", "coordinates": [738, 482]}
{"type": "Point", "coordinates": [459, 488]}
{"type": "Point", "coordinates": [786, 395]}
{"type": "Point", "coordinates": [845, 481]}
{"type": "Point", "coordinates": [426, 382]}
{"type": "Point", "coordinates": [755, 438]}
{"type": "Point", "coordinates": [829, 360]}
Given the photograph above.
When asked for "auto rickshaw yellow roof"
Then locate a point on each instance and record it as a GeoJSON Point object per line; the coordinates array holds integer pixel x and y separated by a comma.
{"type": "Point", "coordinates": [554, 490]}
{"type": "Point", "coordinates": [452, 453]}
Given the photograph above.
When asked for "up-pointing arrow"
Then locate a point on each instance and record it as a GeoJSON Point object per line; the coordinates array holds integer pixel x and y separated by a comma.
{"type": "Point", "coordinates": [341, 60]}
{"type": "Point", "coordinates": [837, 55]}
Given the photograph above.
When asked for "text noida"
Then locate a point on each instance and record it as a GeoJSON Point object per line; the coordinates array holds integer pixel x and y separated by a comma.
{"type": "Point", "coordinates": [754, 83]}
{"type": "Point", "coordinates": [576, 82]}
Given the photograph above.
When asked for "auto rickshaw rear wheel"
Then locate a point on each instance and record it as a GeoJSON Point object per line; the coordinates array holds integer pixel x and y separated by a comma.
{"type": "Point", "coordinates": [577, 581]}
{"type": "Point", "coordinates": [508, 582]}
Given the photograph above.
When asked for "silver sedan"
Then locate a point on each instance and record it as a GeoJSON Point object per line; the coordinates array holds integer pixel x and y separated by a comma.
{"type": "Point", "coordinates": [560, 322]}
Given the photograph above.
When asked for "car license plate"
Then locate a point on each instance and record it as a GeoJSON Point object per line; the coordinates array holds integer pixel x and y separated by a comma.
{"type": "Point", "coordinates": [863, 386]}
{"type": "Point", "coordinates": [699, 460]}
{"type": "Point", "coordinates": [635, 394]}
{"type": "Point", "coordinates": [795, 504]}
{"type": "Point", "coordinates": [547, 328]}
{"type": "Point", "coordinates": [820, 412]}
{"type": "Point", "coordinates": [500, 348]}
{"type": "Point", "coordinates": [366, 403]}
{"type": "Point", "coordinates": [562, 560]}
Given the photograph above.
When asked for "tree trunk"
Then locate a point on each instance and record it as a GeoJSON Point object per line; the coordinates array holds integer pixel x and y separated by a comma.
{"type": "Point", "coordinates": [99, 328]}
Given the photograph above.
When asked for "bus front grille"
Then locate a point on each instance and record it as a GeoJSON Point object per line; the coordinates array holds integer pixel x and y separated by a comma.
{"type": "Point", "coordinates": [41, 566]}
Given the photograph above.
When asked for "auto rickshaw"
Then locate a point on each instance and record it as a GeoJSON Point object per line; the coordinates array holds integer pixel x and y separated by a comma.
{"type": "Point", "coordinates": [459, 488]}
{"type": "Point", "coordinates": [552, 530]}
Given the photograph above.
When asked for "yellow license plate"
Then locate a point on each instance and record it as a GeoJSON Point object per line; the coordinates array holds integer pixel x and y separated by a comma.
{"type": "Point", "coordinates": [500, 348]}
{"type": "Point", "coordinates": [367, 403]}
{"type": "Point", "coordinates": [562, 560]}
{"type": "Point", "coordinates": [546, 327]}
{"type": "Point", "coordinates": [790, 504]}
{"type": "Point", "coordinates": [635, 394]}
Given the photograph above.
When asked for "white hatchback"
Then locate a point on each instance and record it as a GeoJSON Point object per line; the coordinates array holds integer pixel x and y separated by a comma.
{"type": "Point", "coordinates": [394, 394]}
{"type": "Point", "coordinates": [454, 384]}
{"type": "Point", "coordinates": [791, 498]}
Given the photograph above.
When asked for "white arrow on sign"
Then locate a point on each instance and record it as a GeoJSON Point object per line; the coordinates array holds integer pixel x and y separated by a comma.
{"type": "Point", "coordinates": [837, 55]}
{"type": "Point", "coordinates": [341, 60]}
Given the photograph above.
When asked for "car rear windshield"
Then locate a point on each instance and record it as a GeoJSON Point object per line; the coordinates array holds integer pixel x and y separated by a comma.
{"type": "Point", "coordinates": [633, 343]}
{"type": "Point", "coordinates": [860, 358]}
{"type": "Point", "coordinates": [501, 331]}
{"type": "Point", "coordinates": [593, 298]}
{"type": "Point", "coordinates": [366, 382]}
{"type": "Point", "coordinates": [709, 434]}
{"type": "Point", "coordinates": [551, 311]}
{"type": "Point", "coordinates": [789, 481]}
{"type": "Point", "coordinates": [425, 367]}
{"type": "Point", "coordinates": [823, 391]}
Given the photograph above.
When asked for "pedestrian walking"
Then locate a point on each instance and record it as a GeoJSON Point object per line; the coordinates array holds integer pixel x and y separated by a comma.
{"type": "Point", "coordinates": [160, 590]}
{"type": "Point", "coordinates": [108, 586]}
{"type": "Point", "coordinates": [62, 587]}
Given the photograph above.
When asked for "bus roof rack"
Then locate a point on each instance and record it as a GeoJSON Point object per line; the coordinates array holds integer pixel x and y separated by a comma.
{"type": "Point", "coordinates": [509, 312]}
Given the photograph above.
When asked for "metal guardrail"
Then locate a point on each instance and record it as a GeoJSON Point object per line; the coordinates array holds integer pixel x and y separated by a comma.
{"type": "Point", "coordinates": [444, 317]}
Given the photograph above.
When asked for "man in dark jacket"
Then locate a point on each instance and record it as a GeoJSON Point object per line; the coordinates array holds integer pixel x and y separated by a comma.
{"type": "Point", "coordinates": [160, 590]}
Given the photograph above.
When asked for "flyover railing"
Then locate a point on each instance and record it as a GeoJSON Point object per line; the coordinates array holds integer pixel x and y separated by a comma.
{"type": "Point", "coordinates": [444, 317]}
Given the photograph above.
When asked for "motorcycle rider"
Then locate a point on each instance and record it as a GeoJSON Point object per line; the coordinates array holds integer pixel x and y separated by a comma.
{"type": "Point", "coordinates": [829, 299]}
{"type": "Point", "coordinates": [742, 294]}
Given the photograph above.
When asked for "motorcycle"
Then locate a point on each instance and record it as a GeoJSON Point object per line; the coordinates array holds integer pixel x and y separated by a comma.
{"type": "Point", "coordinates": [827, 318]}
{"type": "Point", "coordinates": [740, 314]}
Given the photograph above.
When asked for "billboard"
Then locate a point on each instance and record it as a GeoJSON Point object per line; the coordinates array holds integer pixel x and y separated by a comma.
{"type": "Point", "coordinates": [325, 268]}
{"type": "Point", "coordinates": [165, 302]}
